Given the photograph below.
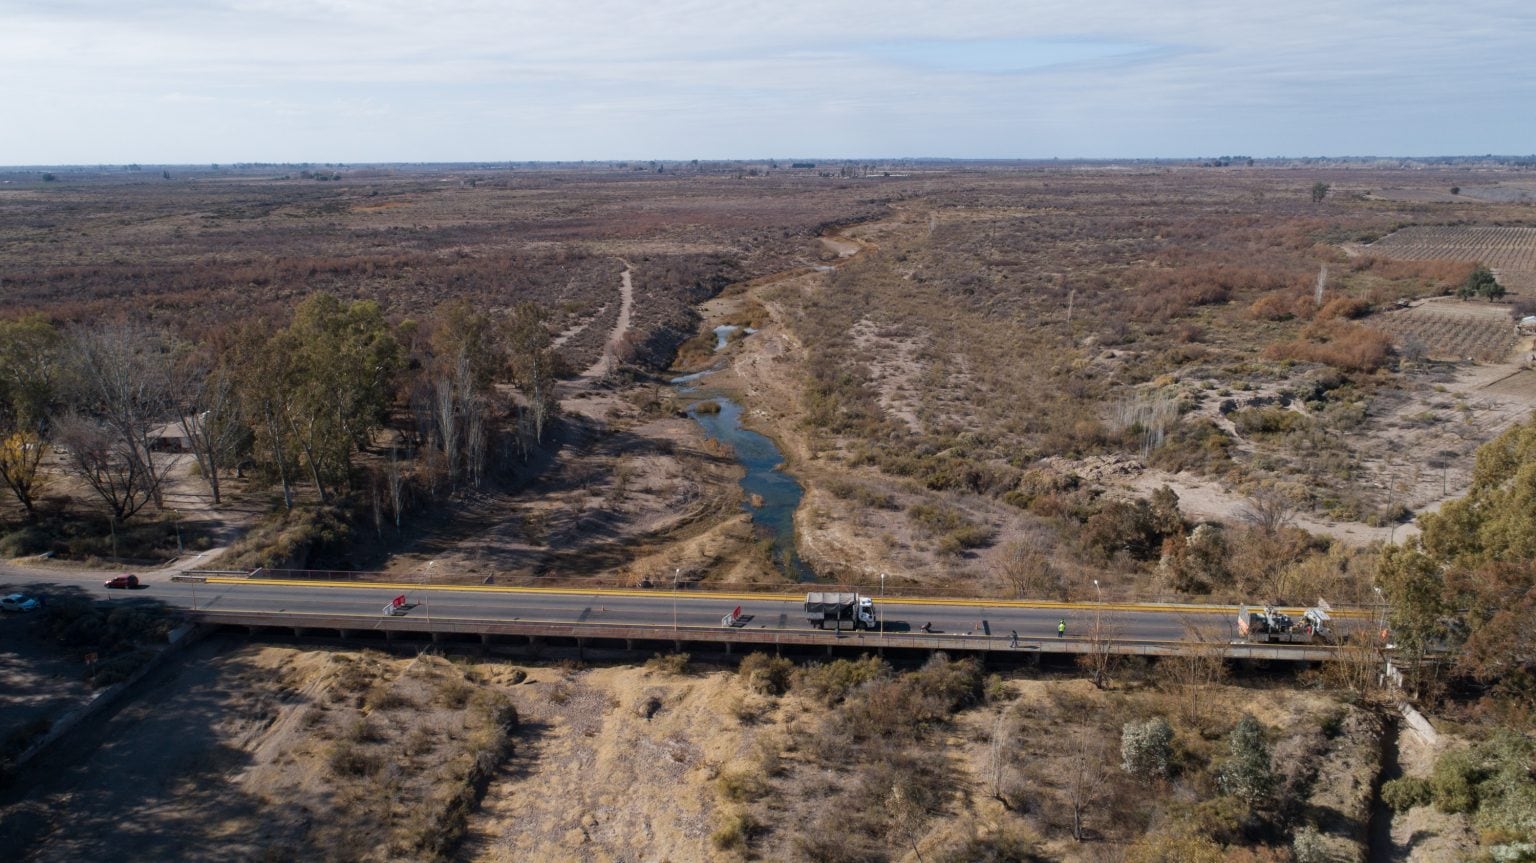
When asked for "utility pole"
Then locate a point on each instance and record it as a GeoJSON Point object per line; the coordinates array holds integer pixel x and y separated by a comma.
{"type": "Point", "coordinates": [676, 574]}
{"type": "Point", "coordinates": [881, 612]}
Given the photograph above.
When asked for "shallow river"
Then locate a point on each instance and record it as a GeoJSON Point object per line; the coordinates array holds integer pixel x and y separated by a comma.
{"type": "Point", "coordinates": [770, 496]}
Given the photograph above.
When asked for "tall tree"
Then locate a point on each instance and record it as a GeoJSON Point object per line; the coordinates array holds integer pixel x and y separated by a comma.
{"type": "Point", "coordinates": [535, 366]}
{"type": "Point", "coordinates": [121, 374]}
{"type": "Point", "coordinates": [30, 369]}
{"type": "Point", "coordinates": [317, 390]}
{"type": "Point", "coordinates": [210, 415]}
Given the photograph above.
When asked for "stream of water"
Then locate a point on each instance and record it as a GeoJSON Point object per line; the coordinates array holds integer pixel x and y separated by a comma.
{"type": "Point", "coordinates": [769, 495]}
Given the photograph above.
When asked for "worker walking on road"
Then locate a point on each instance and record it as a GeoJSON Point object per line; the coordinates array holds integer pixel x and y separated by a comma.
{"type": "Point", "coordinates": [1061, 628]}
{"type": "Point", "coordinates": [1013, 638]}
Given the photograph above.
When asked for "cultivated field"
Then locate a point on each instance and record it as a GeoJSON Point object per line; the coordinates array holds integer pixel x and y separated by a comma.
{"type": "Point", "coordinates": [1508, 250]}
{"type": "Point", "coordinates": [1448, 329]}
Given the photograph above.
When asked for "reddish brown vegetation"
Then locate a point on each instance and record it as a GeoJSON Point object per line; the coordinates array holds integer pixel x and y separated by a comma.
{"type": "Point", "coordinates": [1338, 343]}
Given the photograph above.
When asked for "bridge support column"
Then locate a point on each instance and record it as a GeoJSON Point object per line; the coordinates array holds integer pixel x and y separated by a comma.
{"type": "Point", "coordinates": [677, 646]}
{"type": "Point", "coordinates": [629, 644]}
{"type": "Point", "coordinates": [581, 648]}
{"type": "Point", "coordinates": [728, 646]}
{"type": "Point", "coordinates": [829, 650]}
{"type": "Point", "coordinates": [344, 634]}
{"type": "Point", "coordinates": [436, 636]}
{"type": "Point", "coordinates": [389, 635]}
{"type": "Point", "coordinates": [485, 639]}
{"type": "Point", "coordinates": [298, 632]}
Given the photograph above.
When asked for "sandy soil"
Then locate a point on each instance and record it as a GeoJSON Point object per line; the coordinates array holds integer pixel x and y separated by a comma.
{"type": "Point", "coordinates": [227, 754]}
{"type": "Point", "coordinates": [1424, 834]}
{"type": "Point", "coordinates": [614, 764]}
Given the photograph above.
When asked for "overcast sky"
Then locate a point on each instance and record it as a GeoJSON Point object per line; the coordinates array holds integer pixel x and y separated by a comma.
{"type": "Point", "coordinates": [196, 81]}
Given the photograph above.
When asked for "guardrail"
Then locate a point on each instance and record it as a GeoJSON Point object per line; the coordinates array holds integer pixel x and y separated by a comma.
{"type": "Point", "coordinates": [862, 641]}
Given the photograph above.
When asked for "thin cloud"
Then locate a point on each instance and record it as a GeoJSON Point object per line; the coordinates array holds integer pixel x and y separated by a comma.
{"type": "Point", "coordinates": [220, 80]}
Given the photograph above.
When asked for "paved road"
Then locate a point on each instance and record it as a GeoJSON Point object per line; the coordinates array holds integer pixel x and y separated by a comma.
{"type": "Point", "coordinates": [660, 609]}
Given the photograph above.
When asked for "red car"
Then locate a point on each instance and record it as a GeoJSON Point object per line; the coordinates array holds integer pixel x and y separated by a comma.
{"type": "Point", "coordinates": [126, 582]}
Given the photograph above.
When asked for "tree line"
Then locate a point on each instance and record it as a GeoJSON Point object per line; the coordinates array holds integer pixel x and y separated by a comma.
{"type": "Point", "coordinates": [118, 403]}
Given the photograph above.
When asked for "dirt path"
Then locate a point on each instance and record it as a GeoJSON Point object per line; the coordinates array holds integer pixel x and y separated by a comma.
{"type": "Point", "coordinates": [604, 364]}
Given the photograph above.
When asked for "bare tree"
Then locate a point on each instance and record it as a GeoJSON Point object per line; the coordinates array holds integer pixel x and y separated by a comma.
{"type": "Point", "coordinates": [1087, 777]}
{"type": "Point", "coordinates": [1199, 665]}
{"type": "Point", "coordinates": [908, 819]}
{"type": "Point", "coordinates": [1103, 634]}
{"type": "Point", "coordinates": [445, 410]}
{"type": "Point", "coordinates": [395, 479]}
{"type": "Point", "coordinates": [210, 418]}
{"type": "Point", "coordinates": [1267, 509]}
{"type": "Point", "coordinates": [98, 455]}
{"type": "Point", "coordinates": [1000, 755]}
{"type": "Point", "coordinates": [475, 442]}
{"type": "Point", "coordinates": [123, 375]}
{"type": "Point", "coordinates": [1028, 571]}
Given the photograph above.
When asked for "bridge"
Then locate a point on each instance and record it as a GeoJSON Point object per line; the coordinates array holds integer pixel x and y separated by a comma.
{"type": "Point", "coordinates": [602, 620]}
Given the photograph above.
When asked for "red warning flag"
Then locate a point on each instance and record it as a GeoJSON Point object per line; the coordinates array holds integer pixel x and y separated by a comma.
{"type": "Point", "coordinates": [398, 601]}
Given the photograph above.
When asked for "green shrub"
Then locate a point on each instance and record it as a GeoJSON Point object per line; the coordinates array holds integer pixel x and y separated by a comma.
{"type": "Point", "coordinates": [914, 702]}
{"type": "Point", "coordinates": [29, 540]}
{"type": "Point", "coordinates": [1146, 748]}
{"type": "Point", "coordinates": [1405, 793]}
{"type": "Point", "coordinates": [1268, 421]}
{"type": "Point", "coordinates": [1453, 783]}
{"type": "Point", "coordinates": [831, 682]}
{"type": "Point", "coordinates": [736, 827]}
{"type": "Point", "coordinates": [348, 759]}
{"type": "Point", "coordinates": [740, 785]}
{"type": "Point", "coordinates": [668, 663]}
{"type": "Point", "coordinates": [384, 697]}
{"type": "Point", "coordinates": [766, 673]}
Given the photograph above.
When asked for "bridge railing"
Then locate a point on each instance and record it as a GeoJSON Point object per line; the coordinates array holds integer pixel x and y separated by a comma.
{"type": "Point", "coordinates": [850, 640]}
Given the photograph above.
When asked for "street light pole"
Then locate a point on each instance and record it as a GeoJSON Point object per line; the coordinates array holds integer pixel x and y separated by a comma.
{"type": "Point", "coordinates": [881, 612]}
{"type": "Point", "coordinates": [1098, 591]}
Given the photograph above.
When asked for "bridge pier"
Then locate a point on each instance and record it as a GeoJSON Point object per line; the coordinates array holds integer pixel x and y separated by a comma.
{"type": "Point", "coordinates": [298, 632]}
{"type": "Point", "coordinates": [344, 634]}
{"type": "Point", "coordinates": [581, 648]}
{"type": "Point", "coordinates": [485, 639]}
{"type": "Point", "coordinates": [629, 644]}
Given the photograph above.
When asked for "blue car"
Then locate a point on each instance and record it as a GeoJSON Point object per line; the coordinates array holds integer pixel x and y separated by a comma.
{"type": "Point", "coordinates": [17, 602]}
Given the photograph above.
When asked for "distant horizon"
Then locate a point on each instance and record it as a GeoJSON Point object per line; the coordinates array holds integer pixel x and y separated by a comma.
{"type": "Point", "coordinates": [782, 162]}
{"type": "Point", "coordinates": [393, 82]}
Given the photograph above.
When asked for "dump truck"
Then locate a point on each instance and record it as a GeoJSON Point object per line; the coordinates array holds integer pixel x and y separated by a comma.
{"type": "Point", "coordinates": [1272, 626]}
{"type": "Point", "coordinates": [834, 607]}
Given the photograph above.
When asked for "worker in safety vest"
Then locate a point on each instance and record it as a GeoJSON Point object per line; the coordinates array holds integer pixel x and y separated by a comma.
{"type": "Point", "coordinates": [1061, 628]}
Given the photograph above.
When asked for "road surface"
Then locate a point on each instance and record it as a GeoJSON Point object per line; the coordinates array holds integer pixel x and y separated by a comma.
{"type": "Point", "coordinates": [657, 610]}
